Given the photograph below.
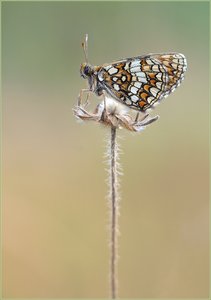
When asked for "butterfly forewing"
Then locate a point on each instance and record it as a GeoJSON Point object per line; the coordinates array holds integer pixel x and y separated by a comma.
{"type": "Point", "coordinates": [142, 81]}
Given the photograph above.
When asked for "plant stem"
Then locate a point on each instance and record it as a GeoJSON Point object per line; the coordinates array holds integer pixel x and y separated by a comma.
{"type": "Point", "coordinates": [114, 214]}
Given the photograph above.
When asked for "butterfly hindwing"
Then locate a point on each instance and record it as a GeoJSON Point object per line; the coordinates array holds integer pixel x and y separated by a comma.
{"type": "Point", "coordinates": [142, 81]}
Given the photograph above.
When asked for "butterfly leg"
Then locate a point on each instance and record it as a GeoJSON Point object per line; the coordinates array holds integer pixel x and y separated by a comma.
{"type": "Point", "coordinates": [137, 116]}
{"type": "Point", "coordinates": [80, 109]}
{"type": "Point", "coordinates": [104, 102]}
{"type": "Point", "coordinates": [105, 113]}
{"type": "Point", "coordinates": [83, 91]}
{"type": "Point", "coordinates": [86, 103]}
{"type": "Point", "coordinates": [149, 120]}
{"type": "Point", "coordinates": [144, 117]}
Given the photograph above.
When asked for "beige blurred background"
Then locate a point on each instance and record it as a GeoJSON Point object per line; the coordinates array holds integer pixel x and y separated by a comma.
{"type": "Point", "coordinates": [55, 237]}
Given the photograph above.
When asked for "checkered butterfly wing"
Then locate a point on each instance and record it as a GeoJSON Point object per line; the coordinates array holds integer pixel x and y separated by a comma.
{"type": "Point", "coordinates": [142, 81]}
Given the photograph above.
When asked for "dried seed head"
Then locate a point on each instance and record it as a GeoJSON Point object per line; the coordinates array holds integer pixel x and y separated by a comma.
{"type": "Point", "coordinates": [112, 113]}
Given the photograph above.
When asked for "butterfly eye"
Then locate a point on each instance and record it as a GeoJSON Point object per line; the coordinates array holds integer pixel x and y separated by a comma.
{"type": "Point", "coordinates": [86, 70]}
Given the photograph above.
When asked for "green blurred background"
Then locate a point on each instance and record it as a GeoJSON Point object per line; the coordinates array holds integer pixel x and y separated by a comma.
{"type": "Point", "coordinates": [55, 241]}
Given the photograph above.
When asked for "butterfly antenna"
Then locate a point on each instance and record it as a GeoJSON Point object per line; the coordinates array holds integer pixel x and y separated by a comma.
{"type": "Point", "coordinates": [85, 47]}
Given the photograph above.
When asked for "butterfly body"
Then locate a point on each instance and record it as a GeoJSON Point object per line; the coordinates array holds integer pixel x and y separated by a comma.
{"type": "Point", "coordinates": [137, 82]}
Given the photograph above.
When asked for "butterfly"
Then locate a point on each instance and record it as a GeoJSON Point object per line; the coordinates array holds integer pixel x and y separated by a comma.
{"type": "Point", "coordinates": [138, 82]}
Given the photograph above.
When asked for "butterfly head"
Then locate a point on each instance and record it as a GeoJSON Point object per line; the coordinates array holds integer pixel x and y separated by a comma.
{"type": "Point", "coordinates": [86, 70]}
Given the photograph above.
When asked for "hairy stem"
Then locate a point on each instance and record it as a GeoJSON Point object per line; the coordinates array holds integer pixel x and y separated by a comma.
{"type": "Point", "coordinates": [113, 214]}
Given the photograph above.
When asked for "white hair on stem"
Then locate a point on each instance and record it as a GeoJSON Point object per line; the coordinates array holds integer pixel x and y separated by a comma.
{"type": "Point", "coordinates": [112, 155]}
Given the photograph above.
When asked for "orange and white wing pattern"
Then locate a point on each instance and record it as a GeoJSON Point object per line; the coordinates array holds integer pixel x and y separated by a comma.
{"type": "Point", "coordinates": [142, 81]}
